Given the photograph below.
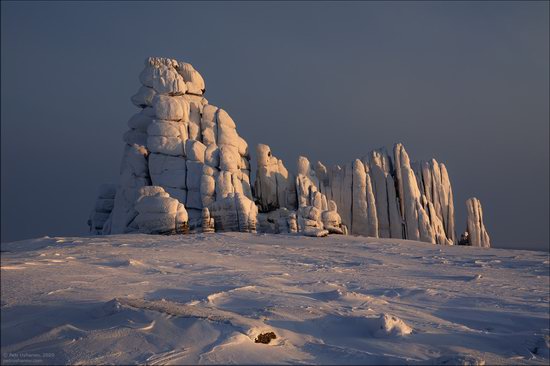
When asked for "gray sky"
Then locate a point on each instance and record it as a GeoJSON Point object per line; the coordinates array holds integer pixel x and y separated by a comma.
{"type": "Point", "coordinates": [466, 83]}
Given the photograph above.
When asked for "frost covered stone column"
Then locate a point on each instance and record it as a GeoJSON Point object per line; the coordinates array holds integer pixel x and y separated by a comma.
{"type": "Point", "coordinates": [312, 204]}
{"type": "Point", "coordinates": [364, 217]}
{"type": "Point", "coordinates": [426, 199]}
{"type": "Point", "coordinates": [477, 234]}
{"type": "Point", "coordinates": [171, 101]}
{"type": "Point", "coordinates": [387, 206]}
{"type": "Point", "coordinates": [274, 185]}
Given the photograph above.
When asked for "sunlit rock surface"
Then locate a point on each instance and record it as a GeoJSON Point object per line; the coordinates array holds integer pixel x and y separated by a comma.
{"type": "Point", "coordinates": [191, 148]}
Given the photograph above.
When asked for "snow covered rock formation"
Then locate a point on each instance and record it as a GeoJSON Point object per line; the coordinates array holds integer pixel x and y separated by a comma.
{"type": "Point", "coordinates": [476, 234]}
{"type": "Point", "coordinates": [181, 144]}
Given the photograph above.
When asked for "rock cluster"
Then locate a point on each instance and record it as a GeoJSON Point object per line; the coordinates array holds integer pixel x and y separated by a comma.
{"type": "Point", "coordinates": [185, 167]}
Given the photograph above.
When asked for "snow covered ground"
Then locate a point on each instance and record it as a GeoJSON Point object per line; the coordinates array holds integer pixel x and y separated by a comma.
{"type": "Point", "coordinates": [204, 298]}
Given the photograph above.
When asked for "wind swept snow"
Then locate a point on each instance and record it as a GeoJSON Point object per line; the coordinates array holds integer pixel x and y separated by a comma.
{"type": "Point", "coordinates": [205, 298]}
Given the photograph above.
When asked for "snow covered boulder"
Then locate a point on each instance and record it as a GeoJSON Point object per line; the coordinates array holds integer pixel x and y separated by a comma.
{"type": "Point", "coordinates": [193, 80]}
{"type": "Point", "coordinates": [208, 185]}
{"type": "Point", "coordinates": [332, 221]}
{"type": "Point", "coordinates": [389, 325]}
{"type": "Point", "coordinates": [309, 222]}
{"type": "Point", "coordinates": [158, 213]}
{"type": "Point", "coordinates": [166, 79]}
{"type": "Point", "coordinates": [171, 108]}
{"type": "Point", "coordinates": [144, 97]}
{"type": "Point", "coordinates": [167, 137]}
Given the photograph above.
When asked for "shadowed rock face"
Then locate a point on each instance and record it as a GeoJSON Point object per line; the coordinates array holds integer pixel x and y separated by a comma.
{"type": "Point", "coordinates": [189, 148]}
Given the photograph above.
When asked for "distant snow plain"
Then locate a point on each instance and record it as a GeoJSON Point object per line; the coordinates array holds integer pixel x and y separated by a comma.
{"type": "Point", "coordinates": [204, 298]}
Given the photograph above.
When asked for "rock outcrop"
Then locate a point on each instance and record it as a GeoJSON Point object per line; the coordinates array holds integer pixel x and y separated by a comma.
{"type": "Point", "coordinates": [158, 213]}
{"type": "Point", "coordinates": [476, 234]}
{"type": "Point", "coordinates": [179, 142]}
{"type": "Point", "coordinates": [234, 212]}
{"type": "Point", "coordinates": [274, 186]}
{"type": "Point", "coordinates": [190, 150]}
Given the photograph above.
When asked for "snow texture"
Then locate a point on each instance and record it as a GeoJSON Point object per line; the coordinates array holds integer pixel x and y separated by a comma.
{"type": "Point", "coordinates": [204, 298]}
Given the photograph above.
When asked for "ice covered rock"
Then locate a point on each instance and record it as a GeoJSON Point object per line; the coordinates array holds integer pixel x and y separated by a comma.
{"type": "Point", "coordinates": [158, 213]}
{"type": "Point", "coordinates": [144, 97]}
{"type": "Point", "coordinates": [332, 221]}
{"type": "Point", "coordinates": [236, 212]}
{"type": "Point", "coordinates": [274, 185]}
{"type": "Point", "coordinates": [193, 80]}
{"type": "Point", "coordinates": [193, 151]}
{"type": "Point", "coordinates": [387, 207]}
{"type": "Point", "coordinates": [437, 194]}
{"type": "Point", "coordinates": [195, 163]}
{"type": "Point", "coordinates": [364, 217]}
{"type": "Point", "coordinates": [477, 234]}
{"type": "Point", "coordinates": [166, 78]}
{"type": "Point", "coordinates": [207, 225]}
{"type": "Point", "coordinates": [171, 108]}
{"type": "Point", "coordinates": [194, 123]}
{"type": "Point", "coordinates": [341, 184]}
{"type": "Point", "coordinates": [306, 182]}
{"type": "Point", "coordinates": [167, 171]}
{"type": "Point", "coordinates": [409, 192]}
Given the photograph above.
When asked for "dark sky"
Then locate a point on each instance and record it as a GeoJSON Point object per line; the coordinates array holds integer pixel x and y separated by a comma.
{"type": "Point", "coordinates": [466, 83]}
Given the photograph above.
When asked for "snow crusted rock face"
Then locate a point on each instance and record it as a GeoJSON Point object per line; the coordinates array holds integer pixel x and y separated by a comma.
{"type": "Point", "coordinates": [476, 233]}
{"type": "Point", "coordinates": [181, 144]}
{"type": "Point", "coordinates": [191, 149]}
